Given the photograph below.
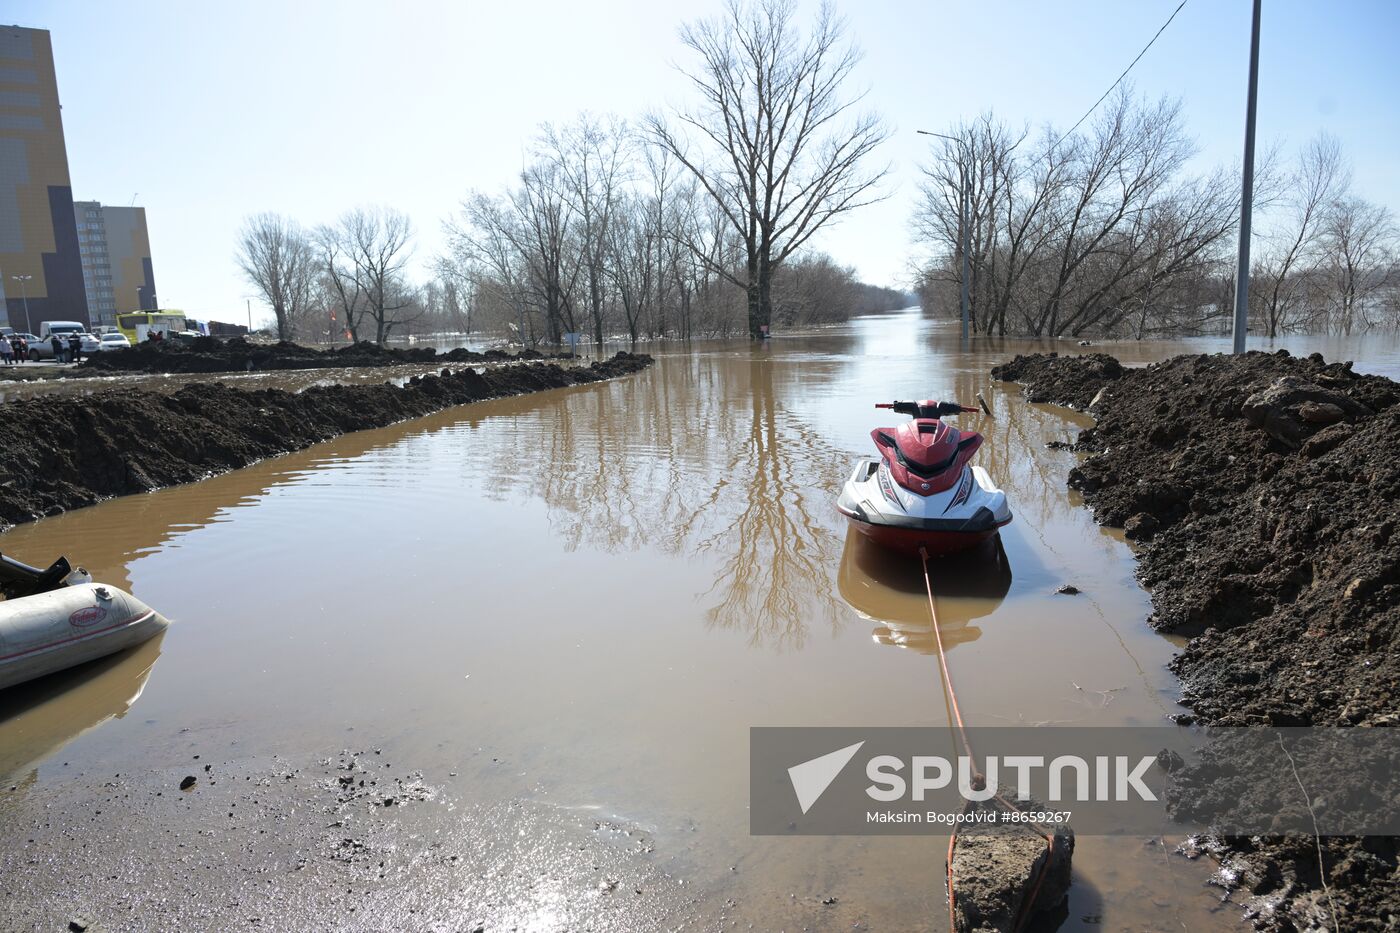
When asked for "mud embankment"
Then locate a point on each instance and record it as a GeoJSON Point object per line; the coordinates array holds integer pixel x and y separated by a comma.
{"type": "Point", "coordinates": [61, 453]}
{"type": "Point", "coordinates": [211, 355]}
{"type": "Point", "coordinates": [1264, 491]}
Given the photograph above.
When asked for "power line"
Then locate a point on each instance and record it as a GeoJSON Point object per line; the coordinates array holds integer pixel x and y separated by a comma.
{"type": "Point", "coordinates": [1122, 76]}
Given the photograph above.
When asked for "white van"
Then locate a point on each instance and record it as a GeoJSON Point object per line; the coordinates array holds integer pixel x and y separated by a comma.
{"type": "Point", "coordinates": [62, 328]}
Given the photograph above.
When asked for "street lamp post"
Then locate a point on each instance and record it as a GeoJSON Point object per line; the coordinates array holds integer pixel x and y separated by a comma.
{"type": "Point", "coordinates": [1247, 189]}
{"type": "Point", "coordinates": [964, 230]}
{"type": "Point", "coordinates": [24, 295]}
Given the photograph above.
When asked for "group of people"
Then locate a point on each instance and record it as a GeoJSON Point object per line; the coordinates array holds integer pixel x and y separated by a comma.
{"type": "Point", "coordinates": [67, 351]}
{"type": "Point", "coordinates": [15, 349]}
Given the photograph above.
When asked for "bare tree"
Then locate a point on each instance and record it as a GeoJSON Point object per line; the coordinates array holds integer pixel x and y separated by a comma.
{"type": "Point", "coordinates": [1359, 240]}
{"type": "Point", "coordinates": [632, 261]}
{"type": "Point", "coordinates": [776, 144]}
{"type": "Point", "coordinates": [592, 159]}
{"type": "Point", "coordinates": [545, 239]}
{"type": "Point", "coordinates": [1094, 232]}
{"type": "Point", "coordinates": [377, 243]}
{"type": "Point", "coordinates": [278, 260]}
{"type": "Point", "coordinates": [1289, 260]}
{"type": "Point", "coordinates": [342, 285]}
{"type": "Point", "coordinates": [485, 241]}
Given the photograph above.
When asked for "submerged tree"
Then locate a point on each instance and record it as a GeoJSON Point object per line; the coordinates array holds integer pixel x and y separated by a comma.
{"type": "Point", "coordinates": [773, 138]}
{"type": "Point", "coordinates": [1290, 256]}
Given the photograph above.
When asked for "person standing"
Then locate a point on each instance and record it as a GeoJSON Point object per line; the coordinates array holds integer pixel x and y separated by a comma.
{"type": "Point", "coordinates": [20, 346]}
{"type": "Point", "coordinates": [75, 348]}
{"type": "Point", "coordinates": [7, 350]}
{"type": "Point", "coordinates": [56, 342]}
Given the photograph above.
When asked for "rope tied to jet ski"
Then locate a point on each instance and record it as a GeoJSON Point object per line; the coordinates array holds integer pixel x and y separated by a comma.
{"type": "Point", "coordinates": [979, 778]}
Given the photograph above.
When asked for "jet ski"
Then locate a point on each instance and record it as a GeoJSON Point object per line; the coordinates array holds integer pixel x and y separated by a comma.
{"type": "Point", "coordinates": [922, 493]}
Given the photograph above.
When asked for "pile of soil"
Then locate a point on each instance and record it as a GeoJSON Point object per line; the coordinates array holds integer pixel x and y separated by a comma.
{"type": "Point", "coordinates": [63, 452]}
{"type": "Point", "coordinates": [1045, 377]}
{"type": "Point", "coordinates": [211, 355]}
{"type": "Point", "coordinates": [1265, 492]}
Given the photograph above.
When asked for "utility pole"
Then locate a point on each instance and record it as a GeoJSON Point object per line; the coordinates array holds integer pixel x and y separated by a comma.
{"type": "Point", "coordinates": [1247, 191]}
{"type": "Point", "coordinates": [250, 316]}
{"type": "Point", "coordinates": [964, 229]}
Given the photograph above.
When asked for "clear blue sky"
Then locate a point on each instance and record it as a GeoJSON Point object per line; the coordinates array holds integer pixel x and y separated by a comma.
{"type": "Point", "coordinates": [206, 113]}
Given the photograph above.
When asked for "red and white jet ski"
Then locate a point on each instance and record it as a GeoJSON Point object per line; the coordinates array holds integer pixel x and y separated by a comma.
{"type": "Point", "coordinates": [922, 493]}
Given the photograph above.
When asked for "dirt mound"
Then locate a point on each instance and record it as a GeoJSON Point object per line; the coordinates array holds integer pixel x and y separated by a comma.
{"type": "Point", "coordinates": [1269, 488]}
{"type": "Point", "coordinates": [1071, 381]}
{"type": "Point", "coordinates": [1265, 490]}
{"type": "Point", "coordinates": [62, 452]}
{"type": "Point", "coordinates": [211, 355]}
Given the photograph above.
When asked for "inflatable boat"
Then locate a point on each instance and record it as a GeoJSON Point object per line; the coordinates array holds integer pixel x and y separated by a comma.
{"type": "Point", "coordinates": [57, 618]}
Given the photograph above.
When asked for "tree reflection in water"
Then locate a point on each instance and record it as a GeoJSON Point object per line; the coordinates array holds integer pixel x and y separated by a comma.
{"type": "Point", "coordinates": [705, 457]}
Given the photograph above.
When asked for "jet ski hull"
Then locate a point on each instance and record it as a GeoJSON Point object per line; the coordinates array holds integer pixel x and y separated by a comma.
{"type": "Point", "coordinates": [966, 514]}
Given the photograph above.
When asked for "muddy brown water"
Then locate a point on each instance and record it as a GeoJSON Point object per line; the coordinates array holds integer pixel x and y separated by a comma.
{"type": "Point", "coordinates": [601, 590]}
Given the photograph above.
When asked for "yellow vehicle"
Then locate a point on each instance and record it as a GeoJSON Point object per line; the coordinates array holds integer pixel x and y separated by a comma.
{"type": "Point", "coordinates": [139, 325]}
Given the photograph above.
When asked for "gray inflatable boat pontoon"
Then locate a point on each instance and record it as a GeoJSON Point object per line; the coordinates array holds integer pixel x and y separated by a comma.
{"type": "Point", "coordinates": [55, 619]}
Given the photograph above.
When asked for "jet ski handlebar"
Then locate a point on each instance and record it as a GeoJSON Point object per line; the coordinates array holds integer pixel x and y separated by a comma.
{"type": "Point", "coordinates": [927, 409]}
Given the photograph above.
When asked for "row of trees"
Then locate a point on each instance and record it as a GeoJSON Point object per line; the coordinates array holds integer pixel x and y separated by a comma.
{"type": "Point", "coordinates": [1105, 231]}
{"type": "Point", "coordinates": [607, 232]}
{"type": "Point", "coordinates": [694, 223]}
{"type": "Point", "coordinates": [349, 276]}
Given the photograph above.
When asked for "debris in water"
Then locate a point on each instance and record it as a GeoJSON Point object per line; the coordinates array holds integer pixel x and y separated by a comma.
{"type": "Point", "coordinates": [1068, 589]}
{"type": "Point", "coordinates": [188, 782]}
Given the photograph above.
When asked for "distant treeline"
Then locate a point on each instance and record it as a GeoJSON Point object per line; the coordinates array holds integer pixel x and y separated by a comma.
{"type": "Point", "coordinates": [604, 234]}
{"type": "Point", "coordinates": [601, 236]}
{"type": "Point", "coordinates": [698, 222]}
{"type": "Point", "coordinates": [1105, 231]}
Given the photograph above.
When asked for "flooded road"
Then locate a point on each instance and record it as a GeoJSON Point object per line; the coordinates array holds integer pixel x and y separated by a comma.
{"type": "Point", "coordinates": [566, 611]}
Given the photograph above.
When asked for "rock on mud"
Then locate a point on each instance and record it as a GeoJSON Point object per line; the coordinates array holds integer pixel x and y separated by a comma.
{"type": "Point", "coordinates": [995, 870]}
{"type": "Point", "coordinates": [1290, 410]}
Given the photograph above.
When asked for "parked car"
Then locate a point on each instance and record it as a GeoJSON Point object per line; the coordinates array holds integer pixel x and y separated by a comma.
{"type": "Point", "coordinates": [185, 337]}
{"type": "Point", "coordinates": [114, 340]}
{"type": "Point", "coordinates": [41, 348]}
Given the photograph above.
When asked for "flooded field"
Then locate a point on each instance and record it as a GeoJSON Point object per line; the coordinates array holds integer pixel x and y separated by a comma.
{"type": "Point", "coordinates": [564, 612]}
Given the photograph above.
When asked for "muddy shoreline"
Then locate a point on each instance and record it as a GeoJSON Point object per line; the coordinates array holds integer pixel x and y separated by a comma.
{"type": "Point", "coordinates": [1263, 492]}
{"type": "Point", "coordinates": [61, 453]}
{"type": "Point", "coordinates": [324, 842]}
